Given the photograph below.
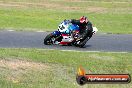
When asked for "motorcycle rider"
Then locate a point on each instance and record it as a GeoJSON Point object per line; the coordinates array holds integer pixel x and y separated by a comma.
{"type": "Point", "coordinates": [85, 27]}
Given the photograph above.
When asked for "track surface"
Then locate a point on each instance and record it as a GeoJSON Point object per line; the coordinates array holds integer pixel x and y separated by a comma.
{"type": "Point", "coordinates": [99, 42]}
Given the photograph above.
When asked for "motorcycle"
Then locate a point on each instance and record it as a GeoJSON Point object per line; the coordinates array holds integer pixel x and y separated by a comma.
{"type": "Point", "coordinates": [67, 34]}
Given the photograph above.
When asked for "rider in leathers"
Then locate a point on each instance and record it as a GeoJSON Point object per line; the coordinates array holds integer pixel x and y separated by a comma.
{"type": "Point", "coordinates": [85, 27]}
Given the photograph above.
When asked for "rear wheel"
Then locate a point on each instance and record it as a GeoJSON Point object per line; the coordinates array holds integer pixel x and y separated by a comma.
{"type": "Point", "coordinates": [83, 42]}
{"type": "Point", "coordinates": [82, 45]}
{"type": "Point", "coordinates": [48, 40]}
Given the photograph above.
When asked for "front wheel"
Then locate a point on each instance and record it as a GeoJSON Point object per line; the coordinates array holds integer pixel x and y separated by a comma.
{"type": "Point", "coordinates": [48, 40]}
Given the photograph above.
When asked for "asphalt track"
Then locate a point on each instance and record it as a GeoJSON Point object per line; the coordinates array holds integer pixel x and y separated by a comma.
{"type": "Point", "coordinates": [99, 42]}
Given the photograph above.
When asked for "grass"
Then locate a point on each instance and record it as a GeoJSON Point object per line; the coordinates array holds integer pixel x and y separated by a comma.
{"type": "Point", "coordinates": [33, 15]}
{"type": "Point", "coordinates": [31, 68]}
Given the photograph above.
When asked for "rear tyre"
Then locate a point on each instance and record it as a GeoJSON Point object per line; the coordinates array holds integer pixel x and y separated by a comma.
{"type": "Point", "coordinates": [81, 46]}
{"type": "Point", "coordinates": [83, 42]}
{"type": "Point", "coordinates": [48, 40]}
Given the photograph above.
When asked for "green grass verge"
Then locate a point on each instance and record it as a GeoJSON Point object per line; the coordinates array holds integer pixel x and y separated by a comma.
{"type": "Point", "coordinates": [33, 68]}
{"type": "Point", "coordinates": [33, 15]}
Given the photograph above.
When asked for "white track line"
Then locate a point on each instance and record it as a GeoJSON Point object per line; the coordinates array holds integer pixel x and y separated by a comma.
{"type": "Point", "coordinates": [10, 30]}
{"type": "Point", "coordinates": [93, 51]}
{"type": "Point", "coordinates": [83, 51]}
{"type": "Point", "coordinates": [33, 31]}
{"type": "Point", "coordinates": [40, 31]}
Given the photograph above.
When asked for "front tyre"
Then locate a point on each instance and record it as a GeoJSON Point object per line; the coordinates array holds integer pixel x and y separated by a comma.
{"type": "Point", "coordinates": [48, 39]}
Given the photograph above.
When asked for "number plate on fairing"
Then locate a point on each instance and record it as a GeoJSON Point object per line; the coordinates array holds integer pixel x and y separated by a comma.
{"type": "Point", "coordinates": [62, 27]}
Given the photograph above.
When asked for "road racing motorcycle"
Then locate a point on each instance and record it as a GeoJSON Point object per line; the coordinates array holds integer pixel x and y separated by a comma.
{"type": "Point", "coordinates": [67, 34]}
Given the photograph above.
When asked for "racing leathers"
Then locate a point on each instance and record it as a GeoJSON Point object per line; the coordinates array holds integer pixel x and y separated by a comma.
{"type": "Point", "coordinates": [85, 29]}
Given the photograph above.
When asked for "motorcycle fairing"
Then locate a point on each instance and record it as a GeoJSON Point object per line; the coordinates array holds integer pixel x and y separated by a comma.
{"type": "Point", "coordinates": [57, 33]}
